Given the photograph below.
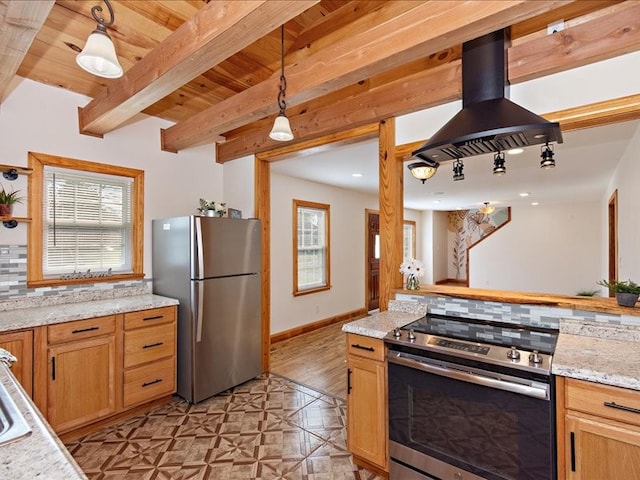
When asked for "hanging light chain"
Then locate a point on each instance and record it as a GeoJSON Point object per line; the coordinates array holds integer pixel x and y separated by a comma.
{"type": "Point", "coordinates": [283, 81]}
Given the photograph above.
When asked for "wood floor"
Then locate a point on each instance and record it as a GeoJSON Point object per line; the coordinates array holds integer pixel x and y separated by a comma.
{"type": "Point", "coordinates": [316, 359]}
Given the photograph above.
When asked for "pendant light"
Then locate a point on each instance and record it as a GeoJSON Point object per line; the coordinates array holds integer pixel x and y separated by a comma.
{"type": "Point", "coordinates": [547, 157]}
{"type": "Point", "coordinates": [487, 209]}
{"type": "Point", "coordinates": [99, 54]}
{"type": "Point", "coordinates": [458, 166]}
{"type": "Point", "coordinates": [281, 130]}
{"type": "Point", "coordinates": [422, 170]}
{"type": "Point", "coordinates": [498, 164]}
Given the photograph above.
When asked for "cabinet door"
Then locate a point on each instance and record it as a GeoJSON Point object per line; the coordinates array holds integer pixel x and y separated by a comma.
{"type": "Point", "coordinates": [81, 385]}
{"type": "Point", "coordinates": [20, 344]}
{"type": "Point", "coordinates": [602, 449]}
{"type": "Point", "coordinates": [367, 411]}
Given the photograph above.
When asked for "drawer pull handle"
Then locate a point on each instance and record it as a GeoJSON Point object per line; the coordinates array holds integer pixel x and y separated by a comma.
{"type": "Point", "coordinates": [621, 407]}
{"type": "Point", "coordinates": [152, 318]}
{"type": "Point", "coordinates": [153, 345]}
{"type": "Point", "coordinates": [157, 380]}
{"type": "Point", "coordinates": [361, 347]}
{"type": "Point", "coordinates": [82, 330]}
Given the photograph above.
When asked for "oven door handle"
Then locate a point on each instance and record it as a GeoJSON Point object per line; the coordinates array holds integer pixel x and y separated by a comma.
{"type": "Point", "coordinates": [535, 392]}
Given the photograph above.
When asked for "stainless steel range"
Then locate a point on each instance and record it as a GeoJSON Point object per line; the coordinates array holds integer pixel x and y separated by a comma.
{"type": "Point", "coordinates": [471, 399]}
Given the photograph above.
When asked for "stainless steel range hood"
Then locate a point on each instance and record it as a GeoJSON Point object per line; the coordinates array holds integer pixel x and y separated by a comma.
{"type": "Point", "coordinates": [488, 122]}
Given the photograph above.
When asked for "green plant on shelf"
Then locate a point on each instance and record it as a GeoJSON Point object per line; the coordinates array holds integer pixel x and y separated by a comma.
{"type": "Point", "coordinates": [625, 286]}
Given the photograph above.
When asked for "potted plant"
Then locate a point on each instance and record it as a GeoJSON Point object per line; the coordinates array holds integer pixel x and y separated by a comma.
{"type": "Point", "coordinates": [212, 209]}
{"type": "Point", "coordinates": [7, 199]}
{"type": "Point", "coordinates": [627, 291]}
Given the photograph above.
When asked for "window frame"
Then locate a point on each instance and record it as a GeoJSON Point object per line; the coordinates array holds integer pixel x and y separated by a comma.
{"type": "Point", "coordinates": [35, 186]}
{"type": "Point", "coordinates": [297, 291]}
{"type": "Point", "coordinates": [412, 224]}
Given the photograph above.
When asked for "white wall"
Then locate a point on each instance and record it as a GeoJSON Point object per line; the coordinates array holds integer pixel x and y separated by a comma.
{"type": "Point", "coordinates": [239, 178]}
{"type": "Point", "coordinates": [440, 246]}
{"type": "Point", "coordinates": [626, 179]}
{"type": "Point", "coordinates": [555, 246]}
{"type": "Point", "coordinates": [39, 118]}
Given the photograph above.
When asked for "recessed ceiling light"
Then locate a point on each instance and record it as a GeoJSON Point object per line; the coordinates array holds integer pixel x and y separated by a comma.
{"type": "Point", "coordinates": [357, 175]}
{"type": "Point", "coordinates": [436, 201]}
{"type": "Point", "coordinates": [540, 135]}
{"type": "Point", "coordinates": [524, 194]}
{"type": "Point", "coordinates": [515, 151]}
{"type": "Point", "coordinates": [535, 203]}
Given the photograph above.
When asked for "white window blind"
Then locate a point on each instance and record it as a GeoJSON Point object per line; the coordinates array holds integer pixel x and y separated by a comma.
{"type": "Point", "coordinates": [311, 248]}
{"type": "Point", "coordinates": [87, 222]}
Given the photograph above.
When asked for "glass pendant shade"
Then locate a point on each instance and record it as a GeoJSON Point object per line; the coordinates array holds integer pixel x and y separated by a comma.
{"type": "Point", "coordinates": [99, 56]}
{"type": "Point", "coordinates": [281, 130]}
{"type": "Point", "coordinates": [422, 170]}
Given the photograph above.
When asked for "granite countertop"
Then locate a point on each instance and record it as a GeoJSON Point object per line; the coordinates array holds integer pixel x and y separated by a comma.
{"type": "Point", "coordinates": [40, 454]}
{"type": "Point", "coordinates": [38, 316]}
{"type": "Point", "coordinates": [379, 324]}
{"type": "Point", "coordinates": [600, 353]}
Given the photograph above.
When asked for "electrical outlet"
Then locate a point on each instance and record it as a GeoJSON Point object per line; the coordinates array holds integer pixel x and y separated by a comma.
{"type": "Point", "coordinates": [555, 27]}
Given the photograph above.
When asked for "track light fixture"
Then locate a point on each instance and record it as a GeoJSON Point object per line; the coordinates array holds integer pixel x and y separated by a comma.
{"type": "Point", "coordinates": [547, 157]}
{"type": "Point", "coordinates": [99, 55]}
{"type": "Point", "coordinates": [498, 164]}
{"type": "Point", "coordinates": [281, 130]}
{"type": "Point", "coordinates": [422, 170]}
{"type": "Point", "coordinates": [457, 170]}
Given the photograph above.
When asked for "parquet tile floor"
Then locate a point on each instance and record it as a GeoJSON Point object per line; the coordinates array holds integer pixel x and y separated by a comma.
{"type": "Point", "coordinates": [268, 428]}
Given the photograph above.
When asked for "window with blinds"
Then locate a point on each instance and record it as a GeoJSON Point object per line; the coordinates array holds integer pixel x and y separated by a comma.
{"type": "Point", "coordinates": [86, 223]}
{"type": "Point", "coordinates": [311, 257]}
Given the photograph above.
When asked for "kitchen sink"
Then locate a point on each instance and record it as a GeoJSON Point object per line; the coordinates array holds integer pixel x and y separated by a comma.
{"type": "Point", "coordinates": [12, 424]}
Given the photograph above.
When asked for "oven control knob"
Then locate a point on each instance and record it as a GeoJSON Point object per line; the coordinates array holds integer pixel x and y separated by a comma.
{"type": "Point", "coordinates": [411, 335]}
{"type": "Point", "coordinates": [396, 333]}
{"type": "Point", "coordinates": [513, 354]}
{"type": "Point", "coordinates": [535, 357]}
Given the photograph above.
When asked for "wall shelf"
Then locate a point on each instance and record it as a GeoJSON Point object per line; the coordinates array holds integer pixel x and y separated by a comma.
{"type": "Point", "coordinates": [12, 222]}
{"type": "Point", "coordinates": [11, 172]}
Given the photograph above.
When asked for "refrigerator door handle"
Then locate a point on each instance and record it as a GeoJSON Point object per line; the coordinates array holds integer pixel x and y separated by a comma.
{"type": "Point", "coordinates": [199, 312]}
{"type": "Point", "coordinates": [199, 249]}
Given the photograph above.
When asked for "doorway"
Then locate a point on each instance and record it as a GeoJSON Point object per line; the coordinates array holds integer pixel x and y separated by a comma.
{"type": "Point", "coordinates": [372, 260]}
{"type": "Point", "coordinates": [613, 239]}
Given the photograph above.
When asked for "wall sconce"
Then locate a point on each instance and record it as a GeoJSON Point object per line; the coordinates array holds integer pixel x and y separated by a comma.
{"type": "Point", "coordinates": [422, 170]}
{"type": "Point", "coordinates": [281, 130]}
{"type": "Point", "coordinates": [457, 170]}
{"type": "Point", "coordinates": [498, 164]}
{"type": "Point", "coordinates": [487, 209]}
{"type": "Point", "coordinates": [99, 55]}
{"type": "Point", "coordinates": [547, 157]}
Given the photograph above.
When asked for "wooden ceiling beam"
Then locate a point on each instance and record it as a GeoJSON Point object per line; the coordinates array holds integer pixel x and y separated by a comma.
{"type": "Point", "coordinates": [216, 32]}
{"type": "Point", "coordinates": [591, 41]}
{"type": "Point", "coordinates": [428, 27]}
{"type": "Point", "coordinates": [20, 22]}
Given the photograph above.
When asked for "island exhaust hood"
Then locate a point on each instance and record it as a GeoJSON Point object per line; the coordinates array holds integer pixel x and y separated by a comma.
{"type": "Point", "coordinates": [488, 122]}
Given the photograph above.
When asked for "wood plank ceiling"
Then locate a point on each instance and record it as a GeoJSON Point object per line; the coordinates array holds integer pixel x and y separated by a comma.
{"type": "Point", "coordinates": [213, 67]}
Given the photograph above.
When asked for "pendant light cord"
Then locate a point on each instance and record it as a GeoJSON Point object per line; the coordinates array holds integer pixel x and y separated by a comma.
{"type": "Point", "coordinates": [283, 81]}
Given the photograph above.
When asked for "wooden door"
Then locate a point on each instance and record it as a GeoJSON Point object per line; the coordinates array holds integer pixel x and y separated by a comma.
{"type": "Point", "coordinates": [602, 449]}
{"type": "Point", "coordinates": [81, 385]}
{"type": "Point", "coordinates": [20, 345]}
{"type": "Point", "coordinates": [373, 260]}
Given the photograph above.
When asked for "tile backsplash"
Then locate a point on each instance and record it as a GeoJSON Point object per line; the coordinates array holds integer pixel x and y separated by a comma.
{"type": "Point", "coordinates": [15, 294]}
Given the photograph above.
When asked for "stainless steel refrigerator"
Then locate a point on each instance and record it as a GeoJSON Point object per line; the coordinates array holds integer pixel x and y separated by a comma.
{"type": "Point", "coordinates": [212, 266]}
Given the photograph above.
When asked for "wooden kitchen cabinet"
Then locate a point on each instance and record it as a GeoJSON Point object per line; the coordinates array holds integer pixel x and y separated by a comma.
{"type": "Point", "coordinates": [20, 344]}
{"type": "Point", "coordinates": [367, 432]}
{"type": "Point", "coordinates": [599, 434]}
{"type": "Point", "coordinates": [149, 355]}
{"type": "Point", "coordinates": [82, 372]}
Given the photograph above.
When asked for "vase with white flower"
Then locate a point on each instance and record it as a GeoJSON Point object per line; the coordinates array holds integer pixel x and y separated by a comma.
{"type": "Point", "coordinates": [413, 269]}
{"type": "Point", "coordinates": [212, 209]}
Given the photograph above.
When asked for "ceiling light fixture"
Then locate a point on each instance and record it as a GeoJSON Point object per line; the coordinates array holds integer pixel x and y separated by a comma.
{"type": "Point", "coordinates": [487, 209]}
{"type": "Point", "coordinates": [99, 54]}
{"type": "Point", "coordinates": [515, 151]}
{"type": "Point", "coordinates": [498, 164]}
{"type": "Point", "coordinates": [422, 170]}
{"type": "Point", "coordinates": [457, 170]}
{"type": "Point", "coordinates": [281, 130]}
{"type": "Point", "coordinates": [547, 157]}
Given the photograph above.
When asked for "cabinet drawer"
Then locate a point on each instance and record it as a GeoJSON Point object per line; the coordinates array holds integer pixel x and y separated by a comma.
{"type": "Point", "coordinates": [149, 344]}
{"type": "Point", "coordinates": [603, 400]}
{"type": "Point", "coordinates": [81, 329]}
{"type": "Point", "coordinates": [151, 381]}
{"type": "Point", "coordinates": [366, 347]}
{"type": "Point", "coordinates": [145, 318]}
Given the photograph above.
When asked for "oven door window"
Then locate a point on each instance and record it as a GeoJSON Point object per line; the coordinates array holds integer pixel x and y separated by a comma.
{"type": "Point", "coordinates": [492, 433]}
